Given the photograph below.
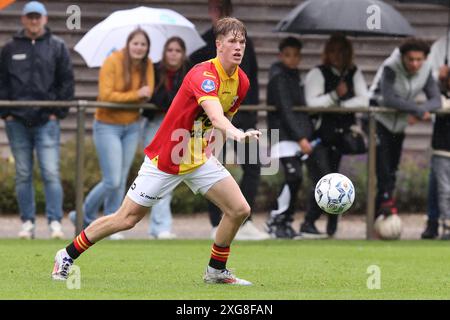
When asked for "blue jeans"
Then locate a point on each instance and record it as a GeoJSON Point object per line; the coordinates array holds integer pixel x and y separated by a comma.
{"type": "Point", "coordinates": [441, 170]}
{"type": "Point", "coordinates": [116, 147]}
{"type": "Point", "coordinates": [160, 214]}
{"type": "Point", "coordinates": [45, 139]}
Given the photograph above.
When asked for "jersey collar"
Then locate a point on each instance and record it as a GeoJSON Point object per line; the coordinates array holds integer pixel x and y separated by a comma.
{"type": "Point", "coordinates": [222, 74]}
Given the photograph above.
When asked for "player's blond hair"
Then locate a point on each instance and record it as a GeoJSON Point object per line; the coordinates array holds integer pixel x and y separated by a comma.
{"type": "Point", "coordinates": [227, 25]}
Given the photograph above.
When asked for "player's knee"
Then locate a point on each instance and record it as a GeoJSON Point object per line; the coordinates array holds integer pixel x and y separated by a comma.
{"type": "Point", "coordinates": [243, 211]}
{"type": "Point", "coordinates": [238, 211]}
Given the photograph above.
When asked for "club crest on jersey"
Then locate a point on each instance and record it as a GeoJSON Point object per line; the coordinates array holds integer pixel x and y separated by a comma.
{"type": "Point", "coordinates": [208, 85]}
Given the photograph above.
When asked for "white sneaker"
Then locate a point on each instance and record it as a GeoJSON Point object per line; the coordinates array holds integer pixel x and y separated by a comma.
{"type": "Point", "coordinates": [166, 235]}
{"type": "Point", "coordinates": [223, 277]}
{"type": "Point", "coordinates": [56, 230]}
{"type": "Point", "coordinates": [27, 231]}
{"type": "Point", "coordinates": [117, 236]}
{"type": "Point", "coordinates": [213, 233]}
{"type": "Point", "coordinates": [63, 262]}
{"type": "Point", "coordinates": [248, 231]}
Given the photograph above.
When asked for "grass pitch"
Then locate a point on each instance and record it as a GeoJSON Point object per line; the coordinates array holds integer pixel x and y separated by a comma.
{"type": "Point", "coordinates": [287, 270]}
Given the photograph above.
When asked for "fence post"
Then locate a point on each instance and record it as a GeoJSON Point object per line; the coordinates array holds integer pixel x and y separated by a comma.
{"type": "Point", "coordinates": [371, 177]}
{"type": "Point", "coordinates": [79, 181]}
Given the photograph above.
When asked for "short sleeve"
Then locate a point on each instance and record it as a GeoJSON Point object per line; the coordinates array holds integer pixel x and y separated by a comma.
{"type": "Point", "coordinates": [204, 85]}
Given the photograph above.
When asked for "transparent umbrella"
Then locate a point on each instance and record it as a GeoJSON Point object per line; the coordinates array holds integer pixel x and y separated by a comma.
{"type": "Point", "coordinates": [160, 24]}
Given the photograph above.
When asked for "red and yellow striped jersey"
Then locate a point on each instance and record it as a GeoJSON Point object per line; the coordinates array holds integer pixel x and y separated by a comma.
{"type": "Point", "coordinates": [179, 145]}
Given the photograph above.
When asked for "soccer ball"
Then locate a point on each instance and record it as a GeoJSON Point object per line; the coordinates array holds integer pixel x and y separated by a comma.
{"type": "Point", "coordinates": [388, 227]}
{"type": "Point", "coordinates": [334, 193]}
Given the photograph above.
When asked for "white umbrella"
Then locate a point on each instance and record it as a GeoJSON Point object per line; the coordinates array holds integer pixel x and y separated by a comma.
{"type": "Point", "coordinates": [160, 24]}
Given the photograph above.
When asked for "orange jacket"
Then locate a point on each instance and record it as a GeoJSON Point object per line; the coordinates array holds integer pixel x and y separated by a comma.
{"type": "Point", "coordinates": [111, 89]}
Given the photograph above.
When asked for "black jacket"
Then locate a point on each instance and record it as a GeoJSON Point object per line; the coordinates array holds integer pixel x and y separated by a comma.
{"type": "Point", "coordinates": [35, 70]}
{"type": "Point", "coordinates": [334, 125]}
{"type": "Point", "coordinates": [162, 97]}
{"type": "Point", "coordinates": [285, 91]}
{"type": "Point", "coordinates": [441, 133]}
{"type": "Point", "coordinates": [249, 65]}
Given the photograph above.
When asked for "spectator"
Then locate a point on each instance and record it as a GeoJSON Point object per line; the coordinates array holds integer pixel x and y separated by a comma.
{"type": "Point", "coordinates": [432, 228]}
{"type": "Point", "coordinates": [399, 80]}
{"type": "Point", "coordinates": [337, 82]}
{"type": "Point", "coordinates": [439, 65]}
{"type": "Point", "coordinates": [285, 91]}
{"type": "Point", "coordinates": [126, 76]}
{"type": "Point", "coordinates": [243, 120]}
{"type": "Point", "coordinates": [440, 164]}
{"type": "Point", "coordinates": [439, 61]}
{"type": "Point", "coordinates": [169, 74]}
{"type": "Point", "coordinates": [36, 65]}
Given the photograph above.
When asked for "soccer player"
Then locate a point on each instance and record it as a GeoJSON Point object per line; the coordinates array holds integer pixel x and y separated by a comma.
{"type": "Point", "coordinates": [208, 98]}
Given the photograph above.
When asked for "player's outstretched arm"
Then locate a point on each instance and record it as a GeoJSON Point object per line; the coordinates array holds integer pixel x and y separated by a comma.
{"type": "Point", "coordinates": [214, 111]}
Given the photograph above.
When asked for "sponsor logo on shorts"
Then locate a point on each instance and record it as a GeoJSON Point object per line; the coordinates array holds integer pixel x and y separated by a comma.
{"type": "Point", "coordinates": [143, 195]}
{"type": "Point", "coordinates": [133, 186]}
{"type": "Point", "coordinates": [208, 85]}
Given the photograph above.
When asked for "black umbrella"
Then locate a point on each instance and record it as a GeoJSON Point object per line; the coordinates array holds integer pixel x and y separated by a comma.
{"type": "Point", "coordinates": [442, 3]}
{"type": "Point", "coordinates": [352, 17]}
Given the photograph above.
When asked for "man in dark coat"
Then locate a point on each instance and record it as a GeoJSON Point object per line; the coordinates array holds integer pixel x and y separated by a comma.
{"type": "Point", "coordinates": [36, 65]}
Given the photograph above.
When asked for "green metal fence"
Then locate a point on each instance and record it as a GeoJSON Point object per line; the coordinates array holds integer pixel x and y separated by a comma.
{"type": "Point", "coordinates": [82, 105]}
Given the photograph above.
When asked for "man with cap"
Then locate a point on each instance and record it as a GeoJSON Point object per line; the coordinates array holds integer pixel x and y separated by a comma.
{"type": "Point", "coordinates": [36, 65]}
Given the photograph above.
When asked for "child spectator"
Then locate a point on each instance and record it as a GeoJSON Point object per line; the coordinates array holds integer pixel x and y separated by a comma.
{"type": "Point", "coordinates": [285, 91]}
